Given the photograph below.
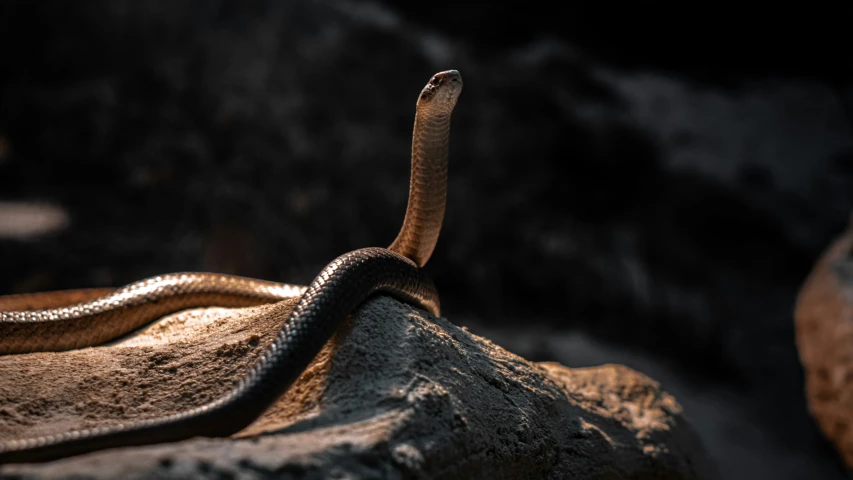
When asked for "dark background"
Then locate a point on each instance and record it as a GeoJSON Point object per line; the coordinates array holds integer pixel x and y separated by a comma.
{"type": "Point", "coordinates": [627, 186]}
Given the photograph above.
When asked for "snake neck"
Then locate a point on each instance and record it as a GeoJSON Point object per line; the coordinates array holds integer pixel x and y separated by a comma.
{"type": "Point", "coordinates": [427, 187]}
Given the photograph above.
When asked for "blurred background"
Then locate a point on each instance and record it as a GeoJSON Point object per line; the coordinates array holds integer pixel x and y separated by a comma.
{"type": "Point", "coordinates": [627, 186]}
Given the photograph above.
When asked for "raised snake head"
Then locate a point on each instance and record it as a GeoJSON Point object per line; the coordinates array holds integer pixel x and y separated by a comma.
{"type": "Point", "coordinates": [441, 92]}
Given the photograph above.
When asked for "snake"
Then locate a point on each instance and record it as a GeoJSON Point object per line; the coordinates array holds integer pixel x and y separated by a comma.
{"type": "Point", "coordinates": [64, 320]}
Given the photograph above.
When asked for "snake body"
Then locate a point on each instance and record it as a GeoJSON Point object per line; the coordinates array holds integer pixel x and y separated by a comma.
{"type": "Point", "coordinates": [76, 318]}
{"type": "Point", "coordinates": [115, 313]}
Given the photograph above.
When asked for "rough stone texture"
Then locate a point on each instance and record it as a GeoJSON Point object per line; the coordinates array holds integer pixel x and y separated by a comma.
{"type": "Point", "coordinates": [185, 359]}
{"type": "Point", "coordinates": [398, 394]}
{"type": "Point", "coordinates": [824, 316]}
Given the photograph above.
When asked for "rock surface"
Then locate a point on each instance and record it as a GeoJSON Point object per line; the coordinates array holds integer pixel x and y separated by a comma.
{"type": "Point", "coordinates": [824, 316]}
{"type": "Point", "coordinates": [397, 394]}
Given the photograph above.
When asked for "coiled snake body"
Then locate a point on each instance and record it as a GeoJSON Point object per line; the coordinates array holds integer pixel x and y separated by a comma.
{"type": "Point", "coordinates": [78, 318]}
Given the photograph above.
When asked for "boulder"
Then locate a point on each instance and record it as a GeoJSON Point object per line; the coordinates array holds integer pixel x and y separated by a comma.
{"type": "Point", "coordinates": [396, 393]}
{"type": "Point", "coordinates": [824, 326]}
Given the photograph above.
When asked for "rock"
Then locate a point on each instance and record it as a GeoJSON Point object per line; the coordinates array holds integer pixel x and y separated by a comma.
{"type": "Point", "coordinates": [824, 326]}
{"type": "Point", "coordinates": [400, 394]}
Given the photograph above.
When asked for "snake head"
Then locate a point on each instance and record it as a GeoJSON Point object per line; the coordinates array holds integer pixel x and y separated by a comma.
{"type": "Point", "coordinates": [442, 91]}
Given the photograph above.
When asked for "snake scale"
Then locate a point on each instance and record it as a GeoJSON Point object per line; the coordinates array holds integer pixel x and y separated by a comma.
{"type": "Point", "coordinates": [55, 321]}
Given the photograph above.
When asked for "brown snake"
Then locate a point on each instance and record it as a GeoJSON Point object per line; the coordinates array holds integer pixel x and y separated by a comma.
{"type": "Point", "coordinates": [55, 321]}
